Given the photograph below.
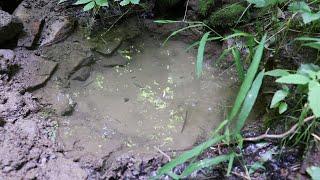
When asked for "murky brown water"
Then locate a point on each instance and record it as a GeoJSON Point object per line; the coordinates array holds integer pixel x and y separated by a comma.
{"type": "Point", "coordinates": [154, 101]}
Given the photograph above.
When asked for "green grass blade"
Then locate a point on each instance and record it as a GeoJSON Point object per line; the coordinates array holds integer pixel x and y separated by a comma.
{"type": "Point", "coordinates": [249, 101]}
{"type": "Point", "coordinates": [248, 79]}
{"type": "Point", "coordinates": [165, 21]}
{"type": "Point", "coordinates": [222, 56]}
{"type": "Point", "coordinates": [237, 34]}
{"type": "Point", "coordinates": [180, 30]}
{"type": "Point", "coordinates": [200, 55]}
{"type": "Point", "coordinates": [203, 164]}
{"type": "Point", "coordinates": [230, 164]}
{"type": "Point", "coordinates": [198, 42]}
{"type": "Point", "coordinates": [307, 39]}
{"type": "Point", "coordinates": [187, 155]}
{"type": "Point", "coordinates": [238, 62]}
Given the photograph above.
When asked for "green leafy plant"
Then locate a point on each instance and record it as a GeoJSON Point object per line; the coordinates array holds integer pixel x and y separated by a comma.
{"type": "Point", "coordinates": [313, 42]}
{"type": "Point", "coordinates": [303, 8]}
{"type": "Point", "coordinates": [96, 4]}
{"type": "Point", "coordinates": [314, 172]}
{"type": "Point", "coordinates": [306, 78]}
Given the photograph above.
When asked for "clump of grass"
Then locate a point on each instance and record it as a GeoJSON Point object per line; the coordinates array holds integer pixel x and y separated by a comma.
{"type": "Point", "coordinates": [205, 5]}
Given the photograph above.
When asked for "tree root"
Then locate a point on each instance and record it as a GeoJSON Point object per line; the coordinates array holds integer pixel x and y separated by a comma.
{"type": "Point", "coordinates": [278, 136]}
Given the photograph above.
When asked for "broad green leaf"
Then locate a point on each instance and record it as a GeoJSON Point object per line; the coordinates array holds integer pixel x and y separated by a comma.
{"type": "Point", "coordinates": [251, 73]}
{"type": "Point", "coordinates": [283, 107]}
{"type": "Point", "coordinates": [309, 17]}
{"type": "Point", "coordinates": [102, 2]}
{"type": "Point", "coordinates": [299, 6]}
{"type": "Point", "coordinates": [278, 97]}
{"type": "Point", "coordinates": [82, 2]}
{"type": "Point", "coordinates": [294, 79]}
{"type": "Point", "coordinates": [249, 101]}
{"type": "Point", "coordinates": [126, 2]}
{"type": "Point", "coordinates": [314, 100]}
{"type": "Point", "coordinates": [89, 6]}
{"type": "Point", "coordinates": [238, 62]}
{"type": "Point", "coordinates": [203, 164]}
{"type": "Point", "coordinates": [314, 172]}
{"type": "Point", "coordinates": [200, 54]}
{"type": "Point", "coordinates": [135, 1]}
{"type": "Point", "coordinates": [61, 1]}
{"type": "Point", "coordinates": [277, 73]}
{"type": "Point", "coordinates": [305, 69]}
{"type": "Point", "coordinates": [264, 3]}
{"type": "Point", "coordinates": [188, 154]}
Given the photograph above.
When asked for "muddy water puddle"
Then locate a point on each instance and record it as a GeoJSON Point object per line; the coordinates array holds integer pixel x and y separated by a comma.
{"type": "Point", "coordinates": [153, 102]}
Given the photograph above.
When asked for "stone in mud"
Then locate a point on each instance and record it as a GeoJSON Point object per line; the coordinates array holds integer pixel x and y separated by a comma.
{"type": "Point", "coordinates": [76, 61]}
{"type": "Point", "coordinates": [31, 24]}
{"type": "Point", "coordinates": [62, 168]}
{"type": "Point", "coordinates": [112, 61]}
{"type": "Point", "coordinates": [6, 61]}
{"type": "Point", "coordinates": [9, 26]}
{"type": "Point", "coordinates": [82, 74]}
{"type": "Point", "coordinates": [7, 54]}
{"type": "Point", "coordinates": [57, 30]}
{"type": "Point", "coordinates": [64, 104]}
{"type": "Point", "coordinates": [106, 47]}
{"type": "Point", "coordinates": [35, 71]}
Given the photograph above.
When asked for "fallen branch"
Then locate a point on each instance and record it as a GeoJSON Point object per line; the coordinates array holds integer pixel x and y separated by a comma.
{"type": "Point", "coordinates": [163, 153]}
{"type": "Point", "coordinates": [278, 136]}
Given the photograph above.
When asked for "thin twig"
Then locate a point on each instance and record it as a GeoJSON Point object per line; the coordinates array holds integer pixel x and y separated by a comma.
{"type": "Point", "coordinates": [185, 121]}
{"type": "Point", "coordinates": [185, 12]}
{"type": "Point", "coordinates": [316, 136]}
{"type": "Point", "coordinates": [240, 175]}
{"type": "Point", "coordinates": [116, 21]}
{"type": "Point", "coordinates": [163, 153]}
{"type": "Point", "coordinates": [278, 136]}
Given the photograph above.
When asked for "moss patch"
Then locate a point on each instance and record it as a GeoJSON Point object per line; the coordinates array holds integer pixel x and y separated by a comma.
{"type": "Point", "coordinates": [226, 16]}
{"type": "Point", "coordinates": [204, 6]}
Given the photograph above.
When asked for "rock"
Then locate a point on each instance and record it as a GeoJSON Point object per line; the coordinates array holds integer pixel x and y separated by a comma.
{"type": "Point", "coordinates": [82, 74]}
{"type": "Point", "coordinates": [76, 61]}
{"type": "Point", "coordinates": [194, 4]}
{"type": "Point", "coordinates": [35, 71]}
{"type": "Point", "coordinates": [7, 64]}
{"type": "Point", "coordinates": [9, 26]}
{"type": "Point", "coordinates": [56, 30]}
{"type": "Point", "coordinates": [112, 61]}
{"type": "Point", "coordinates": [14, 105]}
{"type": "Point", "coordinates": [31, 23]}
{"type": "Point", "coordinates": [62, 168]}
{"type": "Point", "coordinates": [7, 54]}
{"type": "Point", "coordinates": [64, 104]}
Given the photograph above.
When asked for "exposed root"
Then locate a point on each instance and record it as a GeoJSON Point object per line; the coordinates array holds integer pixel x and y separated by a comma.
{"type": "Point", "coordinates": [279, 136]}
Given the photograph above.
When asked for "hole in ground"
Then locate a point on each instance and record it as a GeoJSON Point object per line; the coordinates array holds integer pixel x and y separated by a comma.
{"type": "Point", "coordinates": [9, 5]}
